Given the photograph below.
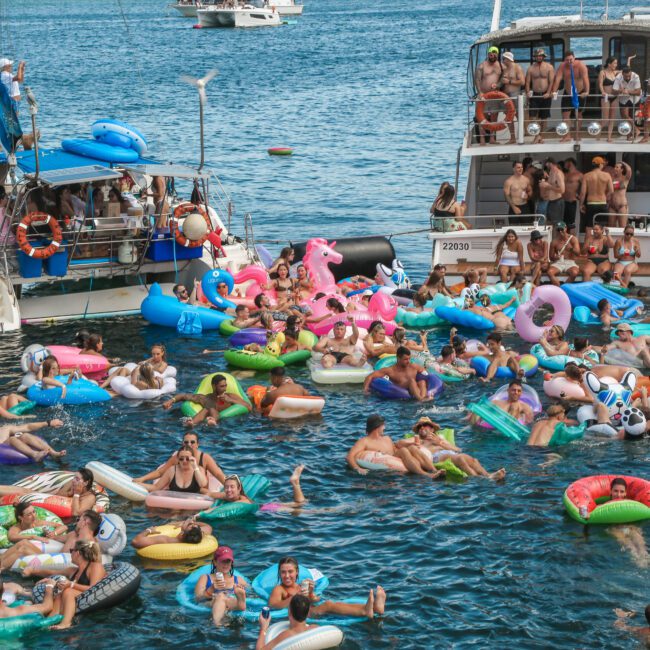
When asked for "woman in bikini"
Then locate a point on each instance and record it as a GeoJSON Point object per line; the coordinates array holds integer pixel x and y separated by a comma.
{"type": "Point", "coordinates": [185, 476]}
{"type": "Point", "coordinates": [609, 101]}
{"type": "Point", "coordinates": [596, 249]}
{"type": "Point", "coordinates": [618, 201]}
{"type": "Point", "coordinates": [626, 250]}
{"type": "Point", "coordinates": [283, 286]}
{"type": "Point", "coordinates": [226, 590]}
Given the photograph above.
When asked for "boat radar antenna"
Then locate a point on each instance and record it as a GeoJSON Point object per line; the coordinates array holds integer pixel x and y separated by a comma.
{"type": "Point", "coordinates": [200, 85]}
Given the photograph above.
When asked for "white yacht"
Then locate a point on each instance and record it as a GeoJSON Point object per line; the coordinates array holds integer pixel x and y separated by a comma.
{"type": "Point", "coordinates": [188, 8]}
{"type": "Point", "coordinates": [593, 41]}
{"type": "Point", "coordinates": [285, 7]}
{"type": "Point", "coordinates": [238, 16]}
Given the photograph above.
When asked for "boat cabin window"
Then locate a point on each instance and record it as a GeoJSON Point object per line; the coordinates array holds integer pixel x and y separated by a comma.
{"type": "Point", "coordinates": [626, 46]}
{"type": "Point", "coordinates": [523, 51]}
{"type": "Point", "coordinates": [640, 164]}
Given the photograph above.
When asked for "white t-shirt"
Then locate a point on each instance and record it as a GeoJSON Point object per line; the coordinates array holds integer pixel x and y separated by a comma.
{"type": "Point", "coordinates": [7, 80]}
{"type": "Point", "coordinates": [621, 85]}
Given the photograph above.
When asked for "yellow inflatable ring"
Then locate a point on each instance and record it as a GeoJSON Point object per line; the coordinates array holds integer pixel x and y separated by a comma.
{"type": "Point", "coordinates": [179, 551]}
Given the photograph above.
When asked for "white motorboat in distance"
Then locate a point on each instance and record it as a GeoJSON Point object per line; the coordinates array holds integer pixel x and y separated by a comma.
{"type": "Point", "coordinates": [286, 7]}
{"type": "Point", "coordinates": [237, 16]}
{"type": "Point", "coordinates": [189, 8]}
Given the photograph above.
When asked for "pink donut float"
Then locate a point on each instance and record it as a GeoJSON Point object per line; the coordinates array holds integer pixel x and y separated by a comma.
{"type": "Point", "coordinates": [563, 388]}
{"type": "Point", "coordinates": [170, 500]}
{"type": "Point", "coordinates": [71, 357]}
{"type": "Point", "coordinates": [544, 295]}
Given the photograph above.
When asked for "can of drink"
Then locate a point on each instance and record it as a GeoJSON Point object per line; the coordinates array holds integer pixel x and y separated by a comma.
{"type": "Point", "coordinates": [218, 575]}
{"type": "Point", "coordinates": [304, 587]}
{"type": "Point", "coordinates": [266, 612]}
{"type": "Point", "coordinates": [583, 512]}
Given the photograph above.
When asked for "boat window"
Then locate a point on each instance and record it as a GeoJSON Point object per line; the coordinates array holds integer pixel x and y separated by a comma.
{"type": "Point", "coordinates": [477, 54]}
{"type": "Point", "coordinates": [628, 46]}
{"type": "Point", "coordinates": [523, 51]}
{"type": "Point", "coordinates": [640, 164]}
{"type": "Point", "coordinates": [588, 49]}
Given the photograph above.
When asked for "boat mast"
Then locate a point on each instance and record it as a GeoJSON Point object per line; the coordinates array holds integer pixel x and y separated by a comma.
{"type": "Point", "coordinates": [496, 16]}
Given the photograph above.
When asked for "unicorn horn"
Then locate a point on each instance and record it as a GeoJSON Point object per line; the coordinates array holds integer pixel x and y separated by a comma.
{"type": "Point", "coordinates": [333, 244]}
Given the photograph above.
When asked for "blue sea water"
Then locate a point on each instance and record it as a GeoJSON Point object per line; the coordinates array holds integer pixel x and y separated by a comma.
{"type": "Point", "coordinates": [369, 94]}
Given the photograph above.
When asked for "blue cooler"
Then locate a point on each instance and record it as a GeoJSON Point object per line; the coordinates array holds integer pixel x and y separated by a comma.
{"type": "Point", "coordinates": [30, 267]}
{"type": "Point", "coordinates": [57, 264]}
{"type": "Point", "coordinates": [161, 249]}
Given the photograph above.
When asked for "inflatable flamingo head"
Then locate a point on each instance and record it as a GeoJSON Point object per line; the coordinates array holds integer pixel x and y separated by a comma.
{"type": "Point", "coordinates": [319, 254]}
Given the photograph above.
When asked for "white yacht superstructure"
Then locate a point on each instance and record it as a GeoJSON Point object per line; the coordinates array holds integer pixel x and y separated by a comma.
{"type": "Point", "coordinates": [238, 16]}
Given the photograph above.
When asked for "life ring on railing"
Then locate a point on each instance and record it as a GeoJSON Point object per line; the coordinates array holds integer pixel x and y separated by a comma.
{"type": "Point", "coordinates": [182, 210]}
{"type": "Point", "coordinates": [480, 111]}
{"type": "Point", "coordinates": [26, 247]}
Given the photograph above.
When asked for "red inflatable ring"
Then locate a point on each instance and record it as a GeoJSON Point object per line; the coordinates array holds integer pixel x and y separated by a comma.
{"type": "Point", "coordinates": [26, 247]}
{"type": "Point", "coordinates": [480, 110]}
{"type": "Point", "coordinates": [182, 210]}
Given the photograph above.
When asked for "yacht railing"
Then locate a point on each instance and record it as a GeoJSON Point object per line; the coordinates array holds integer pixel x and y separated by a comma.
{"type": "Point", "coordinates": [639, 221]}
{"type": "Point", "coordinates": [516, 126]}
{"type": "Point", "coordinates": [494, 222]}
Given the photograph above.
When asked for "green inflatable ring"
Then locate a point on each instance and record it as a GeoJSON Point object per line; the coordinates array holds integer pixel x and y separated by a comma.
{"type": "Point", "coordinates": [253, 485]}
{"type": "Point", "coordinates": [296, 357]}
{"type": "Point", "coordinates": [226, 328]}
{"type": "Point", "coordinates": [15, 626]}
{"type": "Point", "coordinates": [251, 360]}
{"type": "Point", "coordinates": [190, 409]}
{"type": "Point", "coordinates": [8, 516]}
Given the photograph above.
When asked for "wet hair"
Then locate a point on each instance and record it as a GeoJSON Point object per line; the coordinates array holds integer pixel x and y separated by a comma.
{"type": "Point", "coordinates": [299, 607]}
{"type": "Point", "coordinates": [163, 348]}
{"type": "Point", "coordinates": [80, 338]}
{"type": "Point", "coordinates": [148, 376]}
{"type": "Point", "coordinates": [258, 300]}
{"type": "Point", "coordinates": [618, 481]}
{"type": "Point", "coordinates": [419, 300]}
{"type": "Point", "coordinates": [87, 476]}
{"type": "Point", "coordinates": [602, 304]}
{"type": "Point", "coordinates": [184, 448]}
{"type": "Point", "coordinates": [288, 560]}
{"type": "Point", "coordinates": [555, 409]}
{"type": "Point", "coordinates": [333, 303]}
{"type": "Point", "coordinates": [399, 334]}
{"type": "Point", "coordinates": [94, 520]}
{"type": "Point", "coordinates": [494, 336]}
{"type": "Point", "coordinates": [88, 549]}
{"type": "Point", "coordinates": [192, 433]}
{"type": "Point", "coordinates": [48, 364]}
{"type": "Point", "coordinates": [446, 351]}
{"type": "Point", "coordinates": [374, 325]}
{"type": "Point", "coordinates": [239, 309]}
{"type": "Point", "coordinates": [402, 351]}
{"type": "Point", "coordinates": [19, 509]}
{"type": "Point", "coordinates": [572, 371]}
{"type": "Point", "coordinates": [580, 343]}
{"type": "Point", "coordinates": [278, 372]}
{"type": "Point", "coordinates": [193, 535]}
{"type": "Point", "coordinates": [216, 379]}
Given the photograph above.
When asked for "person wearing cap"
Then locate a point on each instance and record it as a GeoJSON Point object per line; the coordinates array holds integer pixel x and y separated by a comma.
{"type": "Point", "coordinates": [627, 87]}
{"type": "Point", "coordinates": [227, 591]}
{"type": "Point", "coordinates": [379, 449]}
{"type": "Point", "coordinates": [537, 249]}
{"type": "Point", "coordinates": [636, 346]}
{"type": "Point", "coordinates": [581, 79]}
{"type": "Point", "coordinates": [512, 82]}
{"type": "Point", "coordinates": [595, 193]}
{"type": "Point", "coordinates": [572, 186]}
{"type": "Point", "coordinates": [437, 449]}
{"type": "Point", "coordinates": [518, 192]}
{"type": "Point", "coordinates": [563, 251]}
{"type": "Point", "coordinates": [539, 81]}
{"type": "Point", "coordinates": [339, 349]}
{"type": "Point", "coordinates": [10, 81]}
{"type": "Point", "coordinates": [488, 79]}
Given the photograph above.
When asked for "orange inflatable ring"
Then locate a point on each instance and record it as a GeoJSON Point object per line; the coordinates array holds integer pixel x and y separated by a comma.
{"type": "Point", "coordinates": [179, 212]}
{"type": "Point", "coordinates": [23, 242]}
{"type": "Point", "coordinates": [480, 111]}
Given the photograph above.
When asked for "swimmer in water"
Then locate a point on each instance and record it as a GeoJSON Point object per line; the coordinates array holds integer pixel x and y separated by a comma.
{"type": "Point", "coordinates": [19, 436]}
{"type": "Point", "coordinates": [498, 357]}
{"type": "Point", "coordinates": [642, 631]}
{"type": "Point", "coordinates": [513, 405]}
{"type": "Point", "coordinates": [543, 430]}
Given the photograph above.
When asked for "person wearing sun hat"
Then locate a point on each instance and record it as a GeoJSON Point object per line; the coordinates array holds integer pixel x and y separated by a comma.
{"type": "Point", "coordinates": [222, 586]}
{"type": "Point", "coordinates": [597, 187]}
{"type": "Point", "coordinates": [636, 346]}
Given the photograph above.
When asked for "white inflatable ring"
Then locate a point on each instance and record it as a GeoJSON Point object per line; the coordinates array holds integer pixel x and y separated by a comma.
{"type": "Point", "coordinates": [318, 638]}
{"type": "Point", "coordinates": [138, 141]}
{"type": "Point", "coordinates": [123, 386]}
{"type": "Point", "coordinates": [116, 481]}
{"type": "Point", "coordinates": [546, 294]}
{"type": "Point", "coordinates": [289, 407]}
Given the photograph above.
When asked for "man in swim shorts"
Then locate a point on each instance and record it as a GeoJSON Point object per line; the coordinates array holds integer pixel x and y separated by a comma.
{"type": "Point", "coordinates": [404, 374]}
{"type": "Point", "coordinates": [595, 192]}
{"type": "Point", "coordinates": [518, 192]}
{"type": "Point", "coordinates": [211, 405]}
{"type": "Point", "coordinates": [375, 447]}
{"type": "Point", "coordinates": [637, 346]}
{"type": "Point", "coordinates": [539, 80]}
{"type": "Point", "coordinates": [562, 253]}
{"type": "Point", "coordinates": [19, 436]}
{"type": "Point", "coordinates": [581, 80]}
{"type": "Point", "coordinates": [281, 385]}
{"type": "Point", "coordinates": [514, 406]}
{"type": "Point", "coordinates": [340, 349]}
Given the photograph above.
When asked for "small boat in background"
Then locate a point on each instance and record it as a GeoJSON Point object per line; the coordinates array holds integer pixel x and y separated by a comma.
{"type": "Point", "coordinates": [237, 16]}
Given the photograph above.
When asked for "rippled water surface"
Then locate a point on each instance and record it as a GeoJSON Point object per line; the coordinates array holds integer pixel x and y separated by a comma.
{"type": "Point", "coordinates": [366, 93]}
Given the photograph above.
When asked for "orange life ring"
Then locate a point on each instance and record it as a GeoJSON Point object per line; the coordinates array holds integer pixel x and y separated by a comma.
{"type": "Point", "coordinates": [23, 242]}
{"type": "Point", "coordinates": [182, 210]}
{"type": "Point", "coordinates": [480, 110]}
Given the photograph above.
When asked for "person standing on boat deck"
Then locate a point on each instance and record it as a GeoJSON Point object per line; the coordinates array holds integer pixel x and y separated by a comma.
{"type": "Point", "coordinates": [551, 190]}
{"type": "Point", "coordinates": [518, 192]}
{"type": "Point", "coordinates": [488, 79]}
{"type": "Point", "coordinates": [12, 83]}
{"type": "Point", "coordinates": [618, 200]}
{"type": "Point", "coordinates": [595, 193]}
{"type": "Point", "coordinates": [609, 100]}
{"type": "Point", "coordinates": [539, 81]}
{"type": "Point", "coordinates": [512, 82]}
{"type": "Point", "coordinates": [627, 87]}
{"type": "Point", "coordinates": [562, 252]}
{"type": "Point", "coordinates": [581, 79]}
{"type": "Point", "coordinates": [572, 188]}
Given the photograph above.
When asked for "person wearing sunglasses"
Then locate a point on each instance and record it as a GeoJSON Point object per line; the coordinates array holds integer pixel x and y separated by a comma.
{"type": "Point", "coordinates": [233, 491]}
{"type": "Point", "coordinates": [182, 294]}
{"type": "Point", "coordinates": [185, 476]}
{"type": "Point", "coordinates": [226, 590]}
